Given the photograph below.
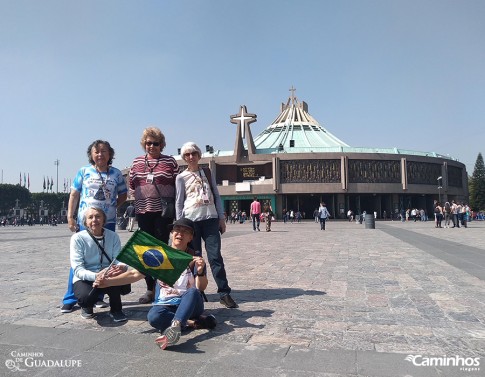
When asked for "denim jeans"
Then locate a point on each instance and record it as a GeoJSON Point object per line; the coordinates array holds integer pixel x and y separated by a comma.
{"type": "Point", "coordinates": [256, 220]}
{"type": "Point", "coordinates": [191, 307]}
{"type": "Point", "coordinates": [322, 223]}
{"type": "Point", "coordinates": [208, 230]}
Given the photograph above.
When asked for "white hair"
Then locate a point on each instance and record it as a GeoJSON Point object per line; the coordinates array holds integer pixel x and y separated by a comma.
{"type": "Point", "coordinates": [189, 147]}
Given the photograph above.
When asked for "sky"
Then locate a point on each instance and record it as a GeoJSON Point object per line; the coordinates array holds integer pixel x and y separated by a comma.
{"type": "Point", "coordinates": [375, 73]}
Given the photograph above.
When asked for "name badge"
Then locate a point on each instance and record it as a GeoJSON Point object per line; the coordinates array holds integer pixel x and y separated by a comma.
{"type": "Point", "coordinates": [150, 178]}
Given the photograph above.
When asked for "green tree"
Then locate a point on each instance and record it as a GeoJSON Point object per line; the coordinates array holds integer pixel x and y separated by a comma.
{"type": "Point", "coordinates": [9, 195]}
{"type": "Point", "coordinates": [477, 185]}
{"type": "Point", "coordinates": [52, 201]}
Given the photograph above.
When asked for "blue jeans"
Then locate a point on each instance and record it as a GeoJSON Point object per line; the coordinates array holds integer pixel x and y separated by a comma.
{"type": "Point", "coordinates": [256, 220]}
{"type": "Point", "coordinates": [69, 298]}
{"type": "Point", "coordinates": [322, 223]}
{"type": "Point", "coordinates": [191, 307]}
{"type": "Point", "coordinates": [208, 230]}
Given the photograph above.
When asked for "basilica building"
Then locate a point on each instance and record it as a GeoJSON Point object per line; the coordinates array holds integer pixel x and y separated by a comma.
{"type": "Point", "coordinates": [295, 164]}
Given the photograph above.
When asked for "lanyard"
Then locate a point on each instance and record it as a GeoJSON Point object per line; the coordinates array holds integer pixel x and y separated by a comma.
{"type": "Point", "coordinates": [147, 164]}
{"type": "Point", "coordinates": [103, 184]}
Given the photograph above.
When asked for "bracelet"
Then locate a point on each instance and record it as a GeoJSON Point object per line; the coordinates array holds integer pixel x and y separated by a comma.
{"type": "Point", "coordinates": [200, 274]}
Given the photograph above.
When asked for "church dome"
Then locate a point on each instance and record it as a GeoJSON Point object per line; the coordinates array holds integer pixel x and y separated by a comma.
{"type": "Point", "coordinates": [295, 130]}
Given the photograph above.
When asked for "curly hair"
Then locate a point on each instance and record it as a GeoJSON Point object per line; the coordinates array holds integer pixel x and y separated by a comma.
{"type": "Point", "coordinates": [154, 133]}
{"type": "Point", "coordinates": [96, 144]}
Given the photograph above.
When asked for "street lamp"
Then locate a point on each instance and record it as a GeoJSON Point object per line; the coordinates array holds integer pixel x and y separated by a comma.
{"type": "Point", "coordinates": [439, 187]}
{"type": "Point", "coordinates": [56, 162]}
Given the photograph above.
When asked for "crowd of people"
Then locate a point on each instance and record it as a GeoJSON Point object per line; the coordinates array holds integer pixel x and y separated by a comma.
{"type": "Point", "coordinates": [29, 221]}
{"type": "Point", "coordinates": [178, 207]}
{"type": "Point", "coordinates": [456, 213]}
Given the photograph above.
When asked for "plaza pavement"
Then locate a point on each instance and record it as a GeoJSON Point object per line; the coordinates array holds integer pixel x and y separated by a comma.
{"type": "Point", "coordinates": [348, 301]}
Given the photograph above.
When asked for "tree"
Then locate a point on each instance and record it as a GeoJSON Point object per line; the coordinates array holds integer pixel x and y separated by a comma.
{"type": "Point", "coordinates": [9, 195]}
{"type": "Point", "coordinates": [52, 201]}
{"type": "Point", "coordinates": [477, 185]}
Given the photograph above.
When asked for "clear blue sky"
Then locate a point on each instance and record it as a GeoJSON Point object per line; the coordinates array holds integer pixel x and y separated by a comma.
{"type": "Point", "coordinates": [407, 74]}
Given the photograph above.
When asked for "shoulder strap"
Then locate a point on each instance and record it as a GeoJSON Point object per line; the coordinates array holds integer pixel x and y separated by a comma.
{"type": "Point", "coordinates": [208, 174]}
{"type": "Point", "coordinates": [100, 247]}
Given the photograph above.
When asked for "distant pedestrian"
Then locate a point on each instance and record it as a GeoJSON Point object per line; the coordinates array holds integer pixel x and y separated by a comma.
{"type": "Point", "coordinates": [268, 214]}
{"type": "Point", "coordinates": [350, 215]}
{"type": "Point", "coordinates": [447, 214]}
{"type": "Point", "coordinates": [130, 214]}
{"type": "Point", "coordinates": [255, 213]}
{"type": "Point", "coordinates": [438, 215]}
{"type": "Point", "coordinates": [315, 215]}
{"type": "Point", "coordinates": [323, 215]}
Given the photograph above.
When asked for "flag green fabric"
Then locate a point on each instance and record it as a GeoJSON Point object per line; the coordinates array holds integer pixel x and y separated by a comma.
{"type": "Point", "coordinates": [152, 257]}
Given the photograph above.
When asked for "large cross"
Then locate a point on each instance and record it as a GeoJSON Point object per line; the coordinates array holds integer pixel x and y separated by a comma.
{"type": "Point", "coordinates": [243, 119]}
{"type": "Point", "coordinates": [292, 90]}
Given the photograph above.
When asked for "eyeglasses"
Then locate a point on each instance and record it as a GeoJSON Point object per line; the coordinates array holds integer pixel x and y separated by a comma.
{"type": "Point", "coordinates": [188, 154]}
{"type": "Point", "coordinates": [154, 143]}
{"type": "Point", "coordinates": [182, 229]}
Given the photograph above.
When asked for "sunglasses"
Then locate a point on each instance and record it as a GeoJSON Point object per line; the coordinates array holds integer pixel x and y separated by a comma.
{"type": "Point", "coordinates": [154, 143]}
{"type": "Point", "coordinates": [188, 154]}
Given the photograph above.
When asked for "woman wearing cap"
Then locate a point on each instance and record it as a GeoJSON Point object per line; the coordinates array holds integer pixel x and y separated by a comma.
{"type": "Point", "coordinates": [152, 182]}
{"type": "Point", "coordinates": [181, 305]}
{"type": "Point", "coordinates": [198, 199]}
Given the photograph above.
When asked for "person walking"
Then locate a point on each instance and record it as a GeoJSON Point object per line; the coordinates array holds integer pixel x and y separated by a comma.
{"type": "Point", "coordinates": [255, 213]}
{"type": "Point", "coordinates": [130, 214]}
{"type": "Point", "coordinates": [438, 215]}
{"type": "Point", "coordinates": [198, 199]}
{"type": "Point", "coordinates": [323, 214]}
{"type": "Point", "coordinates": [268, 215]}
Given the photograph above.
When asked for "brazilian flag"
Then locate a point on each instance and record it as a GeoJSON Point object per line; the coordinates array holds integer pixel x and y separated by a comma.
{"type": "Point", "coordinates": [152, 257]}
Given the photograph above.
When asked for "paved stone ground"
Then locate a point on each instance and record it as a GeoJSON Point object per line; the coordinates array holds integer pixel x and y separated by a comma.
{"type": "Point", "coordinates": [347, 301]}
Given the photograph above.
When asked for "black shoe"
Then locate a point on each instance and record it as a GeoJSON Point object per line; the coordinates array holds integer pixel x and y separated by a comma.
{"type": "Point", "coordinates": [118, 316]}
{"type": "Point", "coordinates": [101, 304]}
{"type": "Point", "coordinates": [87, 313]}
{"type": "Point", "coordinates": [228, 302]}
{"type": "Point", "coordinates": [208, 322]}
{"type": "Point", "coordinates": [67, 308]}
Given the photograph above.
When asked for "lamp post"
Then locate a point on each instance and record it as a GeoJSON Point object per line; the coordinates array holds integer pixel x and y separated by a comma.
{"type": "Point", "coordinates": [56, 162]}
{"type": "Point", "coordinates": [439, 188]}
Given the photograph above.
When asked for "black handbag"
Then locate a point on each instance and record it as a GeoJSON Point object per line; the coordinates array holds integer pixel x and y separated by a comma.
{"type": "Point", "coordinates": [124, 289]}
{"type": "Point", "coordinates": [168, 205]}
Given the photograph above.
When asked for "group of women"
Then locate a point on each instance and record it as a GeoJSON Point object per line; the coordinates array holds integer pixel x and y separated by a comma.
{"type": "Point", "coordinates": [162, 194]}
